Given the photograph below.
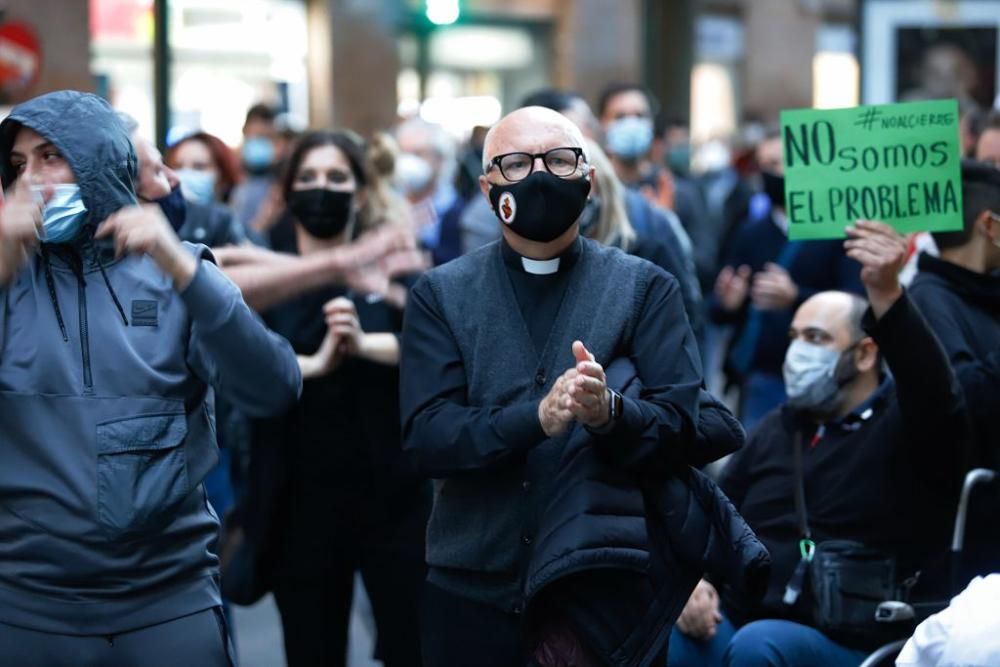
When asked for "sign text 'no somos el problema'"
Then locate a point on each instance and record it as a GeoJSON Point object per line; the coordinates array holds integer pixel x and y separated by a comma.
{"type": "Point", "coordinates": [898, 163]}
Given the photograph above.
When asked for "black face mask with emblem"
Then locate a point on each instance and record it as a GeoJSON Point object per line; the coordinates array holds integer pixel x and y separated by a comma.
{"type": "Point", "coordinates": [542, 207]}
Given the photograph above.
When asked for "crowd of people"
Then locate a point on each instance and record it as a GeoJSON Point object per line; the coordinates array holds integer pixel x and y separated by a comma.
{"type": "Point", "coordinates": [477, 375]}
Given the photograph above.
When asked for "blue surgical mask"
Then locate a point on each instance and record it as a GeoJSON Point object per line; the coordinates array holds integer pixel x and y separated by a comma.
{"type": "Point", "coordinates": [258, 153]}
{"type": "Point", "coordinates": [629, 138]}
{"type": "Point", "coordinates": [63, 214]}
{"type": "Point", "coordinates": [197, 186]}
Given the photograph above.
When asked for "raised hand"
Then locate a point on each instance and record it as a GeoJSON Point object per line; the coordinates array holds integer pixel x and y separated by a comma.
{"type": "Point", "coordinates": [20, 228]}
{"type": "Point", "coordinates": [732, 287]}
{"type": "Point", "coordinates": [143, 230]}
{"type": "Point", "coordinates": [774, 289]}
{"type": "Point", "coordinates": [882, 253]}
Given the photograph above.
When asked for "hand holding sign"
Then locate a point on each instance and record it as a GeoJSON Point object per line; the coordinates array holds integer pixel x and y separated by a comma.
{"type": "Point", "coordinates": [882, 252]}
{"type": "Point", "coordinates": [898, 163]}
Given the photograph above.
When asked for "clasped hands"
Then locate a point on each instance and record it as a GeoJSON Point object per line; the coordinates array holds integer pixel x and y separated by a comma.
{"type": "Point", "coordinates": [580, 394]}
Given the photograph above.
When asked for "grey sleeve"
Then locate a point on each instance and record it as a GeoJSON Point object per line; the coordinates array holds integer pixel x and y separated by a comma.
{"type": "Point", "coordinates": [232, 350]}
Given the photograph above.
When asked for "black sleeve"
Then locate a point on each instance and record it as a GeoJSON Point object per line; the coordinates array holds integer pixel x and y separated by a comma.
{"type": "Point", "coordinates": [668, 364]}
{"type": "Point", "coordinates": [734, 480]}
{"type": "Point", "coordinates": [931, 405]}
{"type": "Point", "coordinates": [979, 377]}
{"type": "Point", "coordinates": [442, 434]}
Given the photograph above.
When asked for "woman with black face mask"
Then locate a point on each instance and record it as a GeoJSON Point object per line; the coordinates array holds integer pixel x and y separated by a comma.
{"type": "Point", "coordinates": [342, 499]}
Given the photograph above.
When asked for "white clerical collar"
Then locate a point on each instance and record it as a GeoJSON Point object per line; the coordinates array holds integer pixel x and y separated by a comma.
{"type": "Point", "coordinates": [541, 267]}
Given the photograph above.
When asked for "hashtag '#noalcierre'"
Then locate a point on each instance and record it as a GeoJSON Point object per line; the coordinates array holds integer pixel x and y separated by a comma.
{"type": "Point", "coordinates": [867, 118]}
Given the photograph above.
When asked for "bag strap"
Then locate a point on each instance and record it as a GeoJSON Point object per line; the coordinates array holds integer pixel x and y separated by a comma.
{"type": "Point", "coordinates": [793, 589]}
{"type": "Point", "coordinates": [800, 488]}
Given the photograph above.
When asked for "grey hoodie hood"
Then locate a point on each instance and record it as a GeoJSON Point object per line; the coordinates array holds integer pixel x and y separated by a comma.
{"type": "Point", "coordinates": [95, 143]}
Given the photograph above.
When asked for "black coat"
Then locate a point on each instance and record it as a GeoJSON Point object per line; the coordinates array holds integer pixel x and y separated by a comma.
{"type": "Point", "coordinates": [618, 552]}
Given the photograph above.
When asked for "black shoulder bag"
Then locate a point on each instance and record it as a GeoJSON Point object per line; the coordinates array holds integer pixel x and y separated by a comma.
{"type": "Point", "coordinates": [848, 580]}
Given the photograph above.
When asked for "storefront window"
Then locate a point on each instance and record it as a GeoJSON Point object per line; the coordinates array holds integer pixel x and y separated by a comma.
{"type": "Point", "coordinates": [224, 57]}
{"type": "Point", "coordinates": [475, 73]}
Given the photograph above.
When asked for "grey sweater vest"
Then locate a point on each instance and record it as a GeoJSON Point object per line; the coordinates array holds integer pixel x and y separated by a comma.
{"type": "Point", "coordinates": [481, 528]}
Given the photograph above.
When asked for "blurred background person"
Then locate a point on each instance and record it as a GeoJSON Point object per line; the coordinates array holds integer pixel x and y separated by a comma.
{"type": "Point", "coordinates": [205, 166]}
{"type": "Point", "coordinates": [988, 144]}
{"type": "Point", "coordinates": [343, 500]}
{"type": "Point", "coordinates": [764, 279]}
{"type": "Point", "coordinates": [210, 223]}
{"type": "Point", "coordinates": [626, 112]}
{"type": "Point", "coordinates": [959, 294]}
{"type": "Point", "coordinates": [605, 220]}
{"type": "Point", "coordinates": [257, 200]}
{"type": "Point", "coordinates": [425, 171]}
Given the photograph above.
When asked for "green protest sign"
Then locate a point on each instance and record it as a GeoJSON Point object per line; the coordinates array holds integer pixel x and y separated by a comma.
{"type": "Point", "coordinates": [898, 163]}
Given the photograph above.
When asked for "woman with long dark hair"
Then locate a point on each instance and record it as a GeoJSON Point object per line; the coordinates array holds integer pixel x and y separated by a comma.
{"type": "Point", "coordinates": [345, 501]}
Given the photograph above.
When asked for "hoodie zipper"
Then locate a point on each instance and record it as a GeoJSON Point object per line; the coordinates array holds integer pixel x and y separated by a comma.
{"type": "Point", "coordinates": [81, 282]}
{"type": "Point", "coordinates": [88, 379]}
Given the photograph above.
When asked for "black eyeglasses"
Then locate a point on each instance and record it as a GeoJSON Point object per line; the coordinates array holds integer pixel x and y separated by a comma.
{"type": "Point", "coordinates": [561, 162]}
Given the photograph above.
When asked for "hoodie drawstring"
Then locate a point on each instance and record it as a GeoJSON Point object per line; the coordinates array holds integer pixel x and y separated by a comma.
{"type": "Point", "coordinates": [111, 290]}
{"type": "Point", "coordinates": [50, 281]}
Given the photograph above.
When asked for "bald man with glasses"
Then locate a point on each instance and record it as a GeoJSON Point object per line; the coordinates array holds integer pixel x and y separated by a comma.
{"type": "Point", "coordinates": [503, 365]}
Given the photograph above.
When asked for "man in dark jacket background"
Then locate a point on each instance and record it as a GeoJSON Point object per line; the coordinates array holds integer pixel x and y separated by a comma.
{"type": "Point", "coordinates": [882, 459]}
{"type": "Point", "coordinates": [113, 335]}
{"type": "Point", "coordinates": [959, 294]}
{"type": "Point", "coordinates": [503, 360]}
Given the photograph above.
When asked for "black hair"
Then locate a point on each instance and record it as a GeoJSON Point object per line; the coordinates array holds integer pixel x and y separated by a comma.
{"type": "Point", "coordinates": [262, 112]}
{"type": "Point", "coordinates": [550, 98]}
{"type": "Point", "coordinates": [616, 89]}
{"type": "Point", "coordinates": [980, 192]}
{"type": "Point", "coordinates": [349, 143]}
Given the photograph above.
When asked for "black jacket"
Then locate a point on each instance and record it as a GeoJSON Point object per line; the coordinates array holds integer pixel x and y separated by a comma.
{"type": "Point", "coordinates": [884, 475]}
{"type": "Point", "coordinates": [618, 552]}
{"type": "Point", "coordinates": [963, 310]}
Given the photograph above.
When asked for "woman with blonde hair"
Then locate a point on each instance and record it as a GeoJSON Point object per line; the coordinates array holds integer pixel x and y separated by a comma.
{"type": "Point", "coordinates": [605, 219]}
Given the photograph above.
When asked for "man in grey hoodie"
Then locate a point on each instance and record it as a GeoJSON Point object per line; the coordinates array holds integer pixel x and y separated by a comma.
{"type": "Point", "coordinates": [113, 335]}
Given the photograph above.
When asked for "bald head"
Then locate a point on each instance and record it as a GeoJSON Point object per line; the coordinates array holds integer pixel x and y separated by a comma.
{"type": "Point", "coordinates": [832, 319]}
{"type": "Point", "coordinates": [531, 130]}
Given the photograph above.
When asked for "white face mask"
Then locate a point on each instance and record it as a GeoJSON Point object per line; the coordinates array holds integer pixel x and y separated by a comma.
{"type": "Point", "coordinates": [810, 375]}
{"type": "Point", "coordinates": [413, 173]}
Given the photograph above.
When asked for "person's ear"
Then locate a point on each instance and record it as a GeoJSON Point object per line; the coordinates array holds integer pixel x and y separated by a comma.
{"type": "Point", "coordinates": [595, 188]}
{"type": "Point", "coordinates": [484, 187]}
{"type": "Point", "coordinates": [988, 224]}
{"type": "Point", "coordinates": [866, 355]}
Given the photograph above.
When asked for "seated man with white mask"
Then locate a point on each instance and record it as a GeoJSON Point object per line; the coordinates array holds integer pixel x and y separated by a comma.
{"type": "Point", "coordinates": [880, 455]}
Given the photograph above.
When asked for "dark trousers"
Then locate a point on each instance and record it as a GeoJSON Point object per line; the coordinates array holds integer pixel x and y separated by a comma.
{"type": "Point", "coordinates": [315, 587]}
{"type": "Point", "coordinates": [458, 632]}
{"type": "Point", "coordinates": [198, 639]}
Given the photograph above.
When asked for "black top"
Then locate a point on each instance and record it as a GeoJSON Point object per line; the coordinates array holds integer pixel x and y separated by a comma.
{"type": "Point", "coordinates": [885, 475]}
{"type": "Point", "coordinates": [963, 309]}
{"type": "Point", "coordinates": [539, 295]}
{"type": "Point", "coordinates": [514, 429]}
{"type": "Point", "coordinates": [342, 437]}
